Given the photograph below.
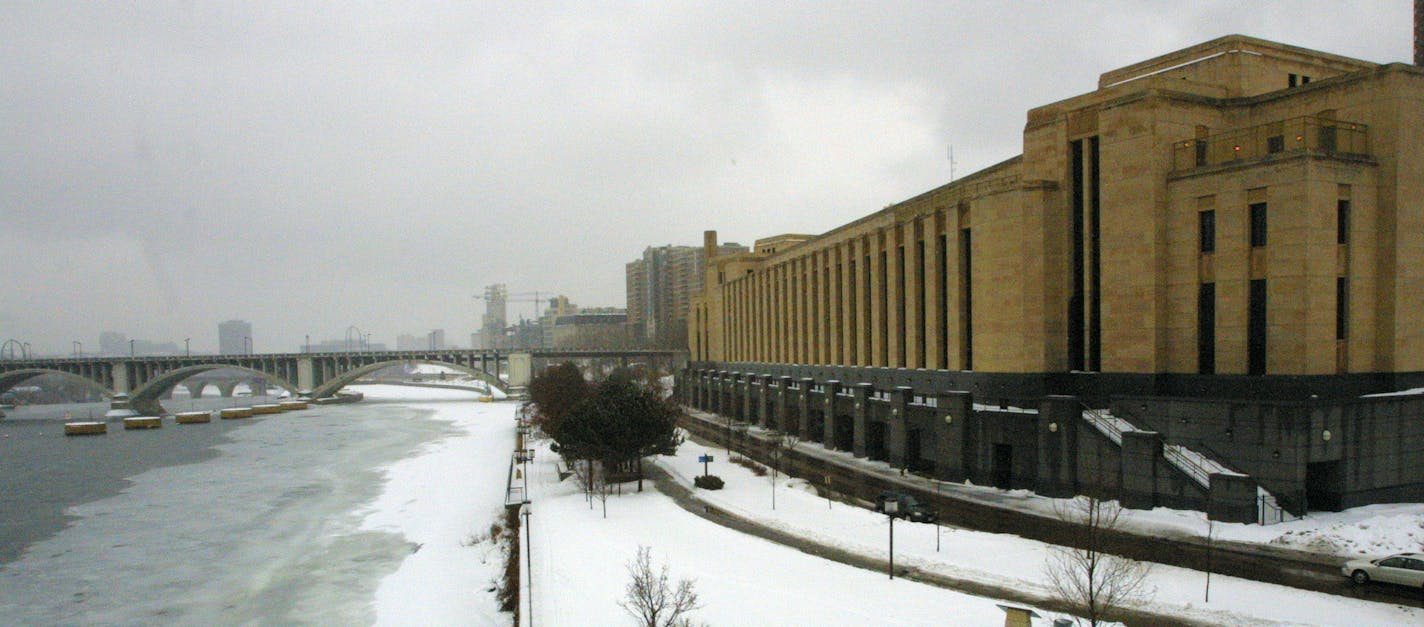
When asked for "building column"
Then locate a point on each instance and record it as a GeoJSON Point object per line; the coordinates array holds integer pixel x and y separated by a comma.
{"type": "Point", "coordinates": [875, 303]}
{"type": "Point", "coordinates": [764, 413]}
{"type": "Point", "coordinates": [914, 270]}
{"type": "Point", "coordinates": [895, 302]}
{"type": "Point", "coordinates": [956, 409]}
{"type": "Point", "coordinates": [895, 439]}
{"type": "Point", "coordinates": [783, 387]}
{"type": "Point", "coordinates": [803, 405]}
{"type": "Point", "coordinates": [861, 395]}
{"type": "Point", "coordinates": [748, 392]}
{"type": "Point", "coordinates": [836, 301]}
{"type": "Point", "coordinates": [934, 286]}
{"type": "Point", "coordinates": [1140, 452]}
{"type": "Point", "coordinates": [828, 423]}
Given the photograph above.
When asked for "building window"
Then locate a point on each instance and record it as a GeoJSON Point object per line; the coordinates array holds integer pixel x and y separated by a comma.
{"type": "Point", "coordinates": [1258, 224]}
{"type": "Point", "coordinates": [1342, 308]}
{"type": "Point", "coordinates": [1206, 328]}
{"type": "Point", "coordinates": [1256, 329]}
{"type": "Point", "coordinates": [1292, 80]}
{"type": "Point", "coordinates": [1200, 147]}
{"type": "Point", "coordinates": [1275, 144]}
{"type": "Point", "coordinates": [1207, 221]}
{"type": "Point", "coordinates": [1342, 221]}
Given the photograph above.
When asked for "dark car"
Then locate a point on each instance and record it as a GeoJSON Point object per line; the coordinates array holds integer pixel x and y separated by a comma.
{"type": "Point", "coordinates": [908, 507]}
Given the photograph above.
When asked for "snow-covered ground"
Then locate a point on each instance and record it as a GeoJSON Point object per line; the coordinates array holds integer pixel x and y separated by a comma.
{"type": "Point", "coordinates": [580, 558]}
{"type": "Point", "coordinates": [443, 501]}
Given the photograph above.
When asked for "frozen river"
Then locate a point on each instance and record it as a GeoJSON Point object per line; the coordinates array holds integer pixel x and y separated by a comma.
{"type": "Point", "coordinates": [323, 516]}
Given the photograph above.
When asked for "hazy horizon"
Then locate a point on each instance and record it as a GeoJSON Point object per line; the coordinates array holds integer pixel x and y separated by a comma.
{"type": "Point", "coordinates": [171, 165]}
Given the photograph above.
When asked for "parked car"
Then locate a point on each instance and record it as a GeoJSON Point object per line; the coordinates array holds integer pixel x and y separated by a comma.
{"type": "Point", "coordinates": [1406, 569]}
{"type": "Point", "coordinates": [908, 508]}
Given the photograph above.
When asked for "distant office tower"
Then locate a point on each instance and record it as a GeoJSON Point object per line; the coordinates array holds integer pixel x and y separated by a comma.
{"type": "Point", "coordinates": [494, 320]}
{"type": "Point", "coordinates": [408, 342]}
{"type": "Point", "coordinates": [234, 337]}
{"type": "Point", "coordinates": [660, 286]}
{"type": "Point", "coordinates": [436, 339]}
{"type": "Point", "coordinates": [113, 343]}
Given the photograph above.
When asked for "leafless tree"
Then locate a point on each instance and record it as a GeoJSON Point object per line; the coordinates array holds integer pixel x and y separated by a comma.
{"type": "Point", "coordinates": [781, 445]}
{"type": "Point", "coordinates": [601, 487]}
{"type": "Point", "coordinates": [1093, 581]}
{"type": "Point", "coordinates": [652, 598]}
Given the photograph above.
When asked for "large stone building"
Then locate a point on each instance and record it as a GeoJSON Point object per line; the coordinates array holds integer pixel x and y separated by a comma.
{"type": "Point", "coordinates": [1240, 220]}
{"type": "Point", "coordinates": [660, 287]}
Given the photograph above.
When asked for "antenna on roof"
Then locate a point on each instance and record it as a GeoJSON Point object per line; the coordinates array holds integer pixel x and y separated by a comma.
{"type": "Point", "coordinates": [951, 155]}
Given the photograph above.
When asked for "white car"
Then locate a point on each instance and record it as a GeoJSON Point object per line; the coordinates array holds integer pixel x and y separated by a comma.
{"type": "Point", "coordinates": [1406, 569]}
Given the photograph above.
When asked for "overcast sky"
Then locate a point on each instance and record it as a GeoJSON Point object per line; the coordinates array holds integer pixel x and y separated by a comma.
{"type": "Point", "coordinates": [165, 166]}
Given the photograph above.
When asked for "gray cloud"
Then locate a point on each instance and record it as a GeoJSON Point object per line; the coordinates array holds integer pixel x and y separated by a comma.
{"type": "Point", "coordinates": [170, 165]}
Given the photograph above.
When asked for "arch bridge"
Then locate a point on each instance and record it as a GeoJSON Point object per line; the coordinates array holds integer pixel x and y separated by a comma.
{"type": "Point", "coordinates": [140, 383]}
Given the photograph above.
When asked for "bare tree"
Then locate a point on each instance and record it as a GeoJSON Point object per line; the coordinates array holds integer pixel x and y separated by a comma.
{"type": "Point", "coordinates": [601, 487]}
{"type": "Point", "coordinates": [1093, 581]}
{"type": "Point", "coordinates": [781, 445]}
{"type": "Point", "coordinates": [652, 598]}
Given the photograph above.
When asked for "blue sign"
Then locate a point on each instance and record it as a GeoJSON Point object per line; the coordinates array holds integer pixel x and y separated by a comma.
{"type": "Point", "coordinates": [705, 458]}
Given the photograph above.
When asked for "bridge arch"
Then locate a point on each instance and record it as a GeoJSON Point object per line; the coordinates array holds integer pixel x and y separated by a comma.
{"type": "Point", "coordinates": [331, 386]}
{"type": "Point", "coordinates": [146, 398]}
{"type": "Point", "coordinates": [15, 377]}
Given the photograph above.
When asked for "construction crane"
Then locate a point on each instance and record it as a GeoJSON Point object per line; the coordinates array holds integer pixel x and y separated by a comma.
{"type": "Point", "coordinates": [520, 297]}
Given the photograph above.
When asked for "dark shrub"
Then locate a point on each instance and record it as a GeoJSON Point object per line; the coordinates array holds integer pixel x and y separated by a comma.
{"type": "Point", "coordinates": [709, 482]}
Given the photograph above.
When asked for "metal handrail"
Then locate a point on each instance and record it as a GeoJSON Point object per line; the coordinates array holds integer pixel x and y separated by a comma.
{"type": "Point", "coordinates": [1173, 453]}
{"type": "Point", "coordinates": [1103, 423]}
{"type": "Point", "coordinates": [1279, 137]}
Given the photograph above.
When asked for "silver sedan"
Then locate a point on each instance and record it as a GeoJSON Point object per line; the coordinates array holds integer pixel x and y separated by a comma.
{"type": "Point", "coordinates": [1406, 569]}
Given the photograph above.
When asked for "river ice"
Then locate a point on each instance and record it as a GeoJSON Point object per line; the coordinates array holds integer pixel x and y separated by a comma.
{"type": "Point", "coordinates": [301, 519]}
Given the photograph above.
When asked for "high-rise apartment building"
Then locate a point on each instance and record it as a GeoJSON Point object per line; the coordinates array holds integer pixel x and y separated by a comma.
{"type": "Point", "coordinates": [660, 286]}
{"type": "Point", "coordinates": [234, 337]}
{"type": "Point", "coordinates": [495, 318]}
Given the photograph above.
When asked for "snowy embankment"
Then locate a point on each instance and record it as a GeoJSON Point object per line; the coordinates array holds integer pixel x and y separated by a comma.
{"type": "Point", "coordinates": [1008, 560]}
{"type": "Point", "coordinates": [580, 557]}
{"type": "Point", "coordinates": [443, 501]}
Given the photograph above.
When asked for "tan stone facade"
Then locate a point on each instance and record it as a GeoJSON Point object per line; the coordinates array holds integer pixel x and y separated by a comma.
{"type": "Point", "coordinates": [1237, 207]}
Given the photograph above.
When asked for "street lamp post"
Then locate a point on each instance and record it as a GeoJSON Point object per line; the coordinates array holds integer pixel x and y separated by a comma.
{"type": "Point", "coordinates": [131, 348]}
{"type": "Point", "coordinates": [306, 347]}
{"type": "Point", "coordinates": [891, 507]}
{"type": "Point", "coordinates": [187, 351]}
{"type": "Point", "coordinates": [529, 559]}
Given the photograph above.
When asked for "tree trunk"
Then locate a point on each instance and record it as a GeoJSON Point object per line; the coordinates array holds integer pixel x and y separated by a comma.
{"type": "Point", "coordinates": [640, 474]}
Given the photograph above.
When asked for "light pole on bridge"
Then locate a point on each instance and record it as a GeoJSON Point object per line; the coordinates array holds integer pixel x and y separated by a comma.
{"type": "Point", "coordinates": [131, 348]}
{"type": "Point", "coordinates": [247, 344]}
{"type": "Point", "coordinates": [187, 352]}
